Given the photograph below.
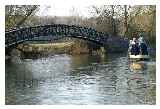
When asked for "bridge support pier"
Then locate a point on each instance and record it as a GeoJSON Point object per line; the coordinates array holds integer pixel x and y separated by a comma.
{"type": "Point", "coordinates": [12, 53]}
{"type": "Point", "coordinates": [102, 49]}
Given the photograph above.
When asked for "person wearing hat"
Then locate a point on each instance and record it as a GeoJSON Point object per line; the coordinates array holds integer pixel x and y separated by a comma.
{"type": "Point", "coordinates": [141, 39]}
{"type": "Point", "coordinates": [142, 44]}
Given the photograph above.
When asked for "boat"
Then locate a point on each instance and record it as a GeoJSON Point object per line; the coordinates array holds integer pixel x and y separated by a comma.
{"type": "Point", "coordinates": [138, 49]}
{"type": "Point", "coordinates": [141, 57]}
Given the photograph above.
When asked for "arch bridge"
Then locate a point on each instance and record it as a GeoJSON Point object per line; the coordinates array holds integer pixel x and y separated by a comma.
{"type": "Point", "coordinates": [16, 36]}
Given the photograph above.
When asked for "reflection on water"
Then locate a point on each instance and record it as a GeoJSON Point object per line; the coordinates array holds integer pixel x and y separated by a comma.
{"type": "Point", "coordinates": [81, 79]}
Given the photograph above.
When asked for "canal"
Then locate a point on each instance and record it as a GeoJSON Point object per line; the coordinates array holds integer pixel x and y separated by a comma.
{"type": "Point", "coordinates": [80, 79]}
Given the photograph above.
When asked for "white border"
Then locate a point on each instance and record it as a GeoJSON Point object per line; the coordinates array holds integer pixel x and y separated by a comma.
{"type": "Point", "coordinates": [158, 54]}
{"type": "Point", "coordinates": [52, 2]}
{"type": "Point", "coordinates": [2, 54]}
{"type": "Point", "coordinates": [100, 2]}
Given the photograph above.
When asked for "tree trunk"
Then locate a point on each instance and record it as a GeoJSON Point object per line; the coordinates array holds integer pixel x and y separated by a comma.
{"type": "Point", "coordinates": [114, 32]}
{"type": "Point", "coordinates": [27, 15]}
{"type": "Point", "coordinates": [126, 20]}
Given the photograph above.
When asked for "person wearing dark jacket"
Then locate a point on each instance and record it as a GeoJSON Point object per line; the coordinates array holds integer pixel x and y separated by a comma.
{"type": "Point", "coordinates": [135, 50]}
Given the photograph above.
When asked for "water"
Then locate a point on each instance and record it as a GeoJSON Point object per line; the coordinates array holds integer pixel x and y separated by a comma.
{"type": "Point", "coordinates": [81, 79]}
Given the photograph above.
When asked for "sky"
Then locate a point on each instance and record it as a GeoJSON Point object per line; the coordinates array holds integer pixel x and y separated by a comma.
{"type": "Point", "coordinates": [64, 8]}
{"type": "Point", "coordinates": [55, 10]}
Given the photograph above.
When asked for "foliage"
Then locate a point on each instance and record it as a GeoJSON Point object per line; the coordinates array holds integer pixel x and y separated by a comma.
{"type": "Point", "coordinates": [16, 15]}
{"type": "Point", "coordinates": [127, 21]}
{"type": "Point", "coordinates": [117, 20]}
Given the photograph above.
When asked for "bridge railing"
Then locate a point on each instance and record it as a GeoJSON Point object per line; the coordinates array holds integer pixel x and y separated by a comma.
{"type": "Point", "coordinates": [28, 33]}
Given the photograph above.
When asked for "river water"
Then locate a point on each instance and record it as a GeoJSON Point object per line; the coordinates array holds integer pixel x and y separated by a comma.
{"type": "Point", "coordinates": [81, 79]}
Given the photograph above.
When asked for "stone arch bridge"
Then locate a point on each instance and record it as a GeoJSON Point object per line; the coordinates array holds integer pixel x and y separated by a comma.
{"type": "Point", "coordinates": [16, 36]}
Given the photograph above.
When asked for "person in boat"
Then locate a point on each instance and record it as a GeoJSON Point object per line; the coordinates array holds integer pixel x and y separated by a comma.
{"type": "Point", "coordinates": [130, 45]}
{"type": "Point", "coordinates": [143, 45]}
{"type": "Point", "coordinates": [135, 50]}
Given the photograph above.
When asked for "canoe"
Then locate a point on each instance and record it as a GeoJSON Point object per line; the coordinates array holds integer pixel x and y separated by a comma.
{"type": "Point", "coordinates": [139, 56]}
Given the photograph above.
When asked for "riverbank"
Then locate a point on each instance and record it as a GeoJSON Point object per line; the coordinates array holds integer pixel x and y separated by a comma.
{"type": "Point", "coordinates": [74, 47]}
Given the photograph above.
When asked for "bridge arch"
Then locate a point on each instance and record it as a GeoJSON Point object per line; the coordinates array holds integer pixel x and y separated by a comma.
{"type": "Point", "coordinates": [17, 36]}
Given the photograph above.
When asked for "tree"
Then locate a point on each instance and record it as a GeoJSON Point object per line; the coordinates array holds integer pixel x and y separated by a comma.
{"type": "Point", "coordinates": [126, 20]}
{"type": "Point", "coordinates": [114, 32]}
{"type": "Point", "coordinates": [16, 15]}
